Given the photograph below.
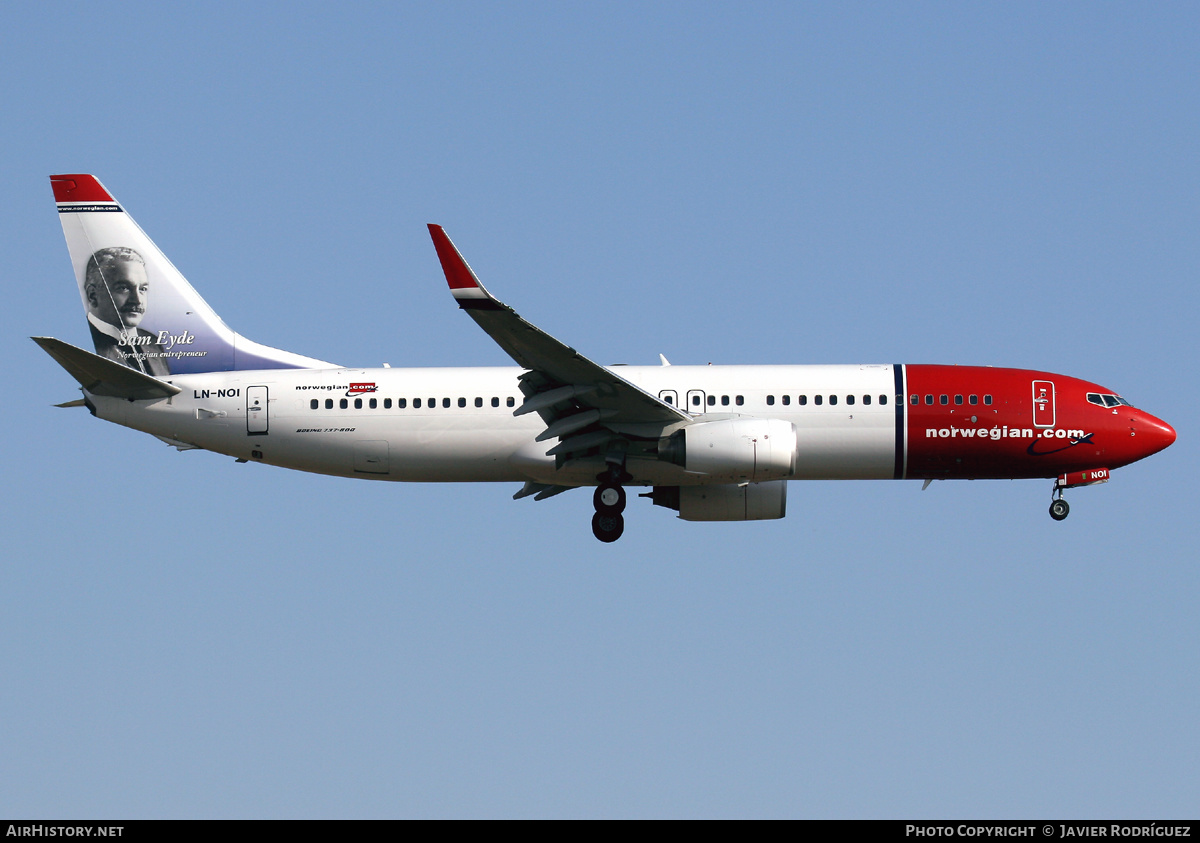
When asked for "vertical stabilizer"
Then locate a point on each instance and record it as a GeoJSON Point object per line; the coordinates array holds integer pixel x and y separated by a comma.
{"type": "Point", "coordinates": [140, 309]}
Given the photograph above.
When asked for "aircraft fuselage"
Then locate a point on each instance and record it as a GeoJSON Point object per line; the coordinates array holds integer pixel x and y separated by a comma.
{"type": "Point", "coordinates": [715, 443]}
{"type": "Point", "coordinates": [456, 424]}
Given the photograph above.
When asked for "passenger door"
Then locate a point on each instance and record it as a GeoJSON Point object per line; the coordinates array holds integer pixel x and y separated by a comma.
{"type": "Point", "coordinates": [256, 411]}
{"type": "Point", "coordinates": [1043, 404]}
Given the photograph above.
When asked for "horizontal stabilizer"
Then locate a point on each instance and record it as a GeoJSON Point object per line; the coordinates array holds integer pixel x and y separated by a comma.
{"type": "Point", "coordinates": [101, 376]}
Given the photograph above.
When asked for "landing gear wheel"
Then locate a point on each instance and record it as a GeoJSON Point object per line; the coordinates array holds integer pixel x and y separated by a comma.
{"type": "Point", "coordinates": [608, 528]}
{"type": "Point", "coordinates": [609, 499]}
{"type": "Point", "coordinates": [1059, 509]}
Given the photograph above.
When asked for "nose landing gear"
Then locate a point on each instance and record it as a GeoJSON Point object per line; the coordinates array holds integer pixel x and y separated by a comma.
{"type": "Point", "coordinates": [1093, 476]}
{"type": "Point", "coordinates": [1059, 508]}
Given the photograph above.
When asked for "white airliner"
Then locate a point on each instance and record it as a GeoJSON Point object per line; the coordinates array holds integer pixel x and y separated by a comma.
{"type": "Point", "coordinates": [714, 443]}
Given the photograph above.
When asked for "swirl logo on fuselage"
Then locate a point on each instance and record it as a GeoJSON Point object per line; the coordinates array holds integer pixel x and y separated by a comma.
{"type": "Point", "coordinates": [1033, 450]}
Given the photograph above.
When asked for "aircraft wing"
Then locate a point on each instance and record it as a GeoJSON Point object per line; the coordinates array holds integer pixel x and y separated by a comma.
{"type": "Point", "coordinates": [571, 393]}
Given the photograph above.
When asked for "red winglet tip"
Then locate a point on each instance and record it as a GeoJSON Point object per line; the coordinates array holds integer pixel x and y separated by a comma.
{"type": "Point", "coordinates": [79, 188]}
{"type": "Point", "coordinates": [458, 274]}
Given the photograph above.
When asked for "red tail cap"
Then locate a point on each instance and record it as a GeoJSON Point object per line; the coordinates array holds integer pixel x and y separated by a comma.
{"type": "Point", "coordinates": [79, 188]}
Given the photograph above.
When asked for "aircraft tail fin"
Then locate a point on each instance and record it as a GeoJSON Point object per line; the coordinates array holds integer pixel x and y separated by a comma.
{"type": "Point", "coordinates": [142, 312]}
{"type": "Point", "coordinates": [101, 376]}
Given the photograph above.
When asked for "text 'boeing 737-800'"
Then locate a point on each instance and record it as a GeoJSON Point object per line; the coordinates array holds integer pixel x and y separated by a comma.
{"type": "Point", "coordinates": [714, 443]}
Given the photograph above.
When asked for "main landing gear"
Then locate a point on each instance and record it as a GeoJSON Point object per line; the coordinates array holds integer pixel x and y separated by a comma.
{"type": "Point", "coordinates": [609, 499]}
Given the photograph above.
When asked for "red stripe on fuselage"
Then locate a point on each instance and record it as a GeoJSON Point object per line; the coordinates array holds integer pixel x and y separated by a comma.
{"type": "Point", "coordinates": [1001, 439]}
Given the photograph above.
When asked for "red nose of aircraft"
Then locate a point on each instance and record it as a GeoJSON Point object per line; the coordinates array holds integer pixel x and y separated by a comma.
{"type": "Point", "coordinates": [1153, 435]}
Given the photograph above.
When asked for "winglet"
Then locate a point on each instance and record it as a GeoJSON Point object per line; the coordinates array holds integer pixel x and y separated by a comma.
{"type": "Point", "coordinates": [464, 285]}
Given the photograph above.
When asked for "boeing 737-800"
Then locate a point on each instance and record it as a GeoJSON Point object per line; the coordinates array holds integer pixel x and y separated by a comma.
{"type": "Point", "coordinates": [714, 443]}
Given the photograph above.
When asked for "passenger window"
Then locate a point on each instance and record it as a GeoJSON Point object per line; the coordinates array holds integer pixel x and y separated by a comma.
{"type": "Point", "coordinates": [328, 403]}
{"type": "Point", "coordinates": [883, 400]}
{"type": "Point", "coordinates": [416, 403]}
{"type": "Point", "coordinates": [358, 403]}
{"type": "Point", "coordinates": [724, 400]}
{"type": "Point", "coordinates": [974, 400]}
{"type": "Point", "coordinates": [343, 403]}
{"type": "Point", "coordinates": [373, 404]}
{"type": "Point", "coordinates": [770, 400]}
{"type": "Point", "coordinates": [510, 402]}
{"type": "Point", "coordinates": [712, 400]}
{"type": "Point", "coordinates": [669, 399]}
{"type": "Point", "coordinates": [850, 399]}
{"type": "Point", "coordinates": [987, 399]}
{"type": "Point", "coordinates": [944, 400]}
{"type": "Point", "coordinates": [478, 402]}
{"type": "Point", "coordinates": [928, 400]}
{"type": "Point", "coordinates": [401, 403]}
{"type": "Point", "coordinates": [803, 400]}
{"type": "Point", "coordinates": [313, 404]}
{"type": "Point", "coordinates": [832, 400]}
{"type": "Point", "coordinates": [695, 400]}
{"type": "Point", "coordinates": [787, 400]}
{"type": "Point", "coordinates": [958, 399]}
{"type": "Point", "coordinates": [387, 403]}
{"type": "Point", "coordinates": [462, 402]}
{"type": "Point", "coordinates": [446, 403]}
{"type": "Point", "coordinates": [914, 400]}
{"type": "Point", "coordinates": [495, 401]}
{"type": "Point", "coordinates": [866, 399]}
{"type": "Point", "coordinates": [739, 400]}
{"type": "Point", "coordinates": [817, 399]}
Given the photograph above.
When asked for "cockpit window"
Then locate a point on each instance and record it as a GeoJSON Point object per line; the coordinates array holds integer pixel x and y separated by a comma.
{"type": "Point", "coordinates": [1107, 400]}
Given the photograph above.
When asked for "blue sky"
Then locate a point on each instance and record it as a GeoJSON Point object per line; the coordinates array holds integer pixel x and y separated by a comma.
{"type": "Point", "coordinates": [986, 183]}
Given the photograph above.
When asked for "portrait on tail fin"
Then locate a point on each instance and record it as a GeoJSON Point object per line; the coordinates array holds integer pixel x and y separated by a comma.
{"type": "Point", "coordinates": [116, 288]}
{"type": "Point", "coordinates": [141, 311]}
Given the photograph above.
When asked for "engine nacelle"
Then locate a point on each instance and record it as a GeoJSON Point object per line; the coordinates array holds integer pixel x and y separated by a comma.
{"type": "Point", "coordinates": [734, 450]}
{"type": "Point", "coordinates": [726, 501]}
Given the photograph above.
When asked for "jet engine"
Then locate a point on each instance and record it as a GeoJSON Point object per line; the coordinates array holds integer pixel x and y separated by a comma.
{"type": "Point", "coordinates": [725, 501]}
{"type": "Point", "coordinates": [734, 450]}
